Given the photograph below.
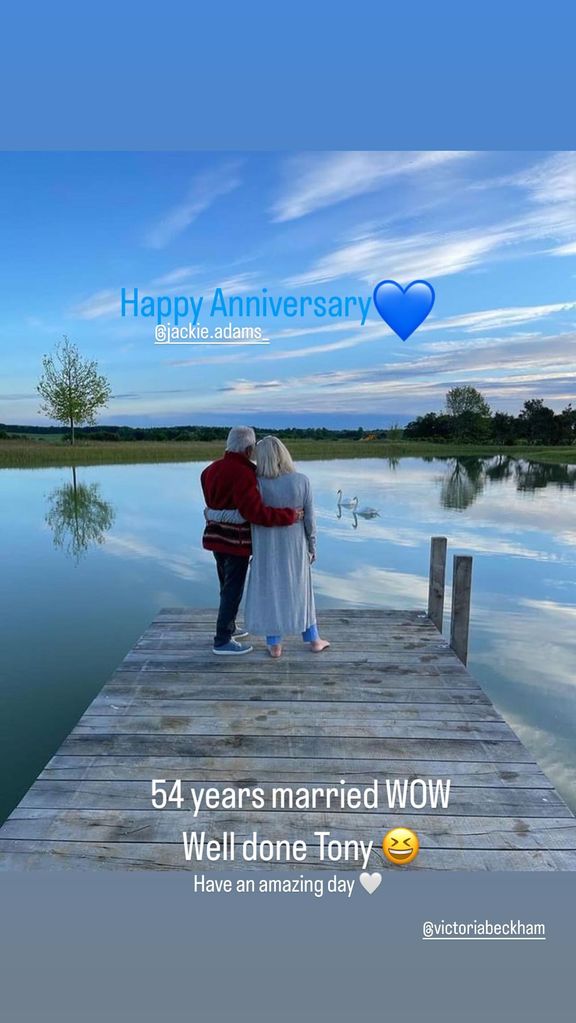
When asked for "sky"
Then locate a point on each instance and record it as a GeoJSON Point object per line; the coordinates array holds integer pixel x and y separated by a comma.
{"type": "Point", "coordinates": [493, 232]}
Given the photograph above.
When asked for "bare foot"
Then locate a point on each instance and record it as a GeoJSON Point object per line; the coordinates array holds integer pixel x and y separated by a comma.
{"type": "Point", "coordinates": [318, 645]}
{"type": "Point", "coordinates": [276, 650]}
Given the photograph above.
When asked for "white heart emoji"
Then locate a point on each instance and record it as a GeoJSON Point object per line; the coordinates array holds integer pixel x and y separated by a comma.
{"type": "Point", "coordinates": [370, 881]}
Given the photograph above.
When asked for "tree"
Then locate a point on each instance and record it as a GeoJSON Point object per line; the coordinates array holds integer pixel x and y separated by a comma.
{"type": "Point", "coordinates": [71, 388]}
{"type": "Point", "coordinates": [470, 413]}
{"type": "Point", "coordinates": [504, 428]}
{"type": "Point", "coordinates": [429, 427]}
{"type": "Point", "coordinates": [567, 425]}
{"type": "Point", "coordinates": [537, 422]}
{"type": "Point", "coordinates": [466, 401]}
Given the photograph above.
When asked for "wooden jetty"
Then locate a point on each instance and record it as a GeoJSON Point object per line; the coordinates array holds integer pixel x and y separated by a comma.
{"type": "Point", "coordinates": [390, 699]}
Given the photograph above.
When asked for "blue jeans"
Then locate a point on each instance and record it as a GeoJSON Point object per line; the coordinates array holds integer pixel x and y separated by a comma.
{"type": "Point", "coordinates": [309, 636]}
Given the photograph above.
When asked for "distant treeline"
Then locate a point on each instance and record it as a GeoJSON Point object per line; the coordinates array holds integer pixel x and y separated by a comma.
{"type": "Point", "coordinates": [535, 424]}
{"type": "Point", "coordinates": [188, 433]}
{"type": "Point", "coordinates": [467, 419]}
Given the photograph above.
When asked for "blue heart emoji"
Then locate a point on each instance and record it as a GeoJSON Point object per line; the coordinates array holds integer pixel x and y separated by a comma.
{"type": "Point", "coordinates": [404, 309]}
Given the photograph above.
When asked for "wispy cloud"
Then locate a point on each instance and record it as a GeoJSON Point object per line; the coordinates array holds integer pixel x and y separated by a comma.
{"type": "Point", "coordinates": [107, 302]}
{"type": "Point", "coordinates": [250, 386]}
{"type": "Point", "coordinates": [177, 276]}
{"type": "Point", "coordinates": [316, 181]}
{"type": "Point", "coordinates": [535, 365]}
{"type": "Point", "coordinates": [565, 250]}
{"type": "Point", "coordinates": [495, 319]}
{"type": "Point", "coordinates": [17, 397]}
{"type": "Point", "coordinates": [549, 212]}
{"type": "Point", "coordinates": [550, 181]}
{"type": "Point", "coordinates": [102, 303]}
{"type": "Point", "coordinates": [204, 191]}
{"type": "Point", "coordinates": [474, 322]}
{"type": "Point", "coordinates": [425, 255]}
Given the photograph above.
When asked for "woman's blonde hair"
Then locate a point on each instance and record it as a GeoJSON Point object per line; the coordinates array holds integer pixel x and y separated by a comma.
{"type": "Point", "coordinates": [273, 458]}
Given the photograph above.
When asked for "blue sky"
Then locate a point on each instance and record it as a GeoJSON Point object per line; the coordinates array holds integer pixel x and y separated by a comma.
{"type": "Point", "coordinates": [494, 233]}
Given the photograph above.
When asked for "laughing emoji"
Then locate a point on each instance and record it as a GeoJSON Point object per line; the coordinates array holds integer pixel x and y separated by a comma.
{"type": "Point", "coordinates": [400, 846]}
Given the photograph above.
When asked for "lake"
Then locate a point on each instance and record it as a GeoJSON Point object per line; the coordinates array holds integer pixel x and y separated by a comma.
{"type": "Point", "coordinates": [88, 561]}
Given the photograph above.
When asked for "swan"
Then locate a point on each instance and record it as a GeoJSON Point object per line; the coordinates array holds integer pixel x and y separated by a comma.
{"type": "Point", "coordinates": [346, 502]}
{"type": "Point", "coordinates": [368, 513]}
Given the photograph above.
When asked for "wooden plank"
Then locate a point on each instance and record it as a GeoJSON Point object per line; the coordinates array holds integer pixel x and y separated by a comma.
{"type": "Point", "coordinates": [203, 659]}
{"type": "Point", "coordinates": [185, 614]}
{"type": "Point", "coordinates": [436, 580]}
{"type": "Point", "coordinates": [434, 831]}
{"type": "Point", "coordinates": [150, 688]}
{"type": "Point", "coordinates": [252, 770]}
{"type": "Point", "coordinates": [341, 714]}
{"type": "Point", "coordinates": [316, 746]}
{"type": "Point", "coordinates": [371, 640]}
{"type": "Point", "coordinates": [250, 719]}
{"type": "Point", "coordinates": [136, 795]}
{"type": "Point", "coordinates": [391, 629]}
{"type": "Point", "coordinates": [273, 669]}
{"type": "Point", "coordinates": [337, 682]}
{"type": "Point", "coordinates": [115, 699]}
{"type": "Point", "coordinates": [97, 856]}
{"type": "Point", "coordinates": [411, 635]}
{"type": "Point", "coordinates": [460, 614]}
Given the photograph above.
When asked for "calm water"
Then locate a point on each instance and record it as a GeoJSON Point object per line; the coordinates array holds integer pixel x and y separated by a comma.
{"type": "Point", "coordinates": [84, 568]}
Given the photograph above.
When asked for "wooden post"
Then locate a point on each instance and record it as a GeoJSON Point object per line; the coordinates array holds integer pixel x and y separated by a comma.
{"type": "Point", "coordinates": [460, 622]}
{"type": "Point", "coordinates": [436, 580]}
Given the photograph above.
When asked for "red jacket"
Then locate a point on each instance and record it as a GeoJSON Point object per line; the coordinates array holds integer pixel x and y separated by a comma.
{"type": "Point", "coordinates": [231, 483]}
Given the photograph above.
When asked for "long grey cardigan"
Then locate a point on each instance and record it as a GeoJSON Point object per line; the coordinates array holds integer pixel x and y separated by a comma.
{"type": "Point", "coordinates": [279, 597]}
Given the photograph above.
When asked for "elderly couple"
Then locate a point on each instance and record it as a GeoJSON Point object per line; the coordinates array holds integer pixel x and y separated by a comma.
{"type": "Point", "coordinates": [264, 510]}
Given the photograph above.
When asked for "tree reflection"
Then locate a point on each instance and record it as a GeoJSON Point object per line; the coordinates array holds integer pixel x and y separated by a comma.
{"type": "Point", "coordinates": [531, 476]}
{"type": "Point", "coordinates": [78, 516]}
{"type": "Point", "coordinates": [461, 486]}
{"type": "Point", "coordinates": [499, 468]}
{"type": "Point", "coordinates": [467, 476]}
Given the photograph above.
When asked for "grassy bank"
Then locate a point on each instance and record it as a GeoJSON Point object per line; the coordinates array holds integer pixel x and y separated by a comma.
{"type": "Point", "coordinates": [16, 454]}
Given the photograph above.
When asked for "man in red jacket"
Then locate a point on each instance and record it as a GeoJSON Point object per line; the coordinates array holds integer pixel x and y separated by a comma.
{"type": "Point", "coordinates": [231, 483]}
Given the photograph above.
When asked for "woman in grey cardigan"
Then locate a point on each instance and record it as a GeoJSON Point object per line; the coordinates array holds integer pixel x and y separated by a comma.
{"type": "Point", "coordinates": [279, 597]}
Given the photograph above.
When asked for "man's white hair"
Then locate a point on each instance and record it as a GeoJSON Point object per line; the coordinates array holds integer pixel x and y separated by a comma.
{"type": "Point", "coordinates": [240, 438]}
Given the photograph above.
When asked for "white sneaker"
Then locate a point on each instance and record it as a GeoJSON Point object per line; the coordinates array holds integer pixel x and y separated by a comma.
{"type": "Point", "coordinates": [232, 648]}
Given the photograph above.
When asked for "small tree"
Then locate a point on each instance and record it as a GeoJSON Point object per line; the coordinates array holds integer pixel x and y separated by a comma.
{"type": "Point", "coordinates": [71, 388]}
{"type": "Point", "coordinates": [470, 413]}
{"type": "Point", "coordinates": [466, 401]}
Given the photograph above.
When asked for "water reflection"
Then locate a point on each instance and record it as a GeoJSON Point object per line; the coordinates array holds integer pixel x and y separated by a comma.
{"type": "Point", "coordinates": [531, 476]}
{"type": "Point", "coordinates": [78, 517]}
{"type": "Point", "coordinates": [462, 485]}
{"type": "Point", "coordinates": [466, 477]}
{"type": "Point", "coordinates": [500, 468]}
{"type": "Point", "coordinates": [516, 518]}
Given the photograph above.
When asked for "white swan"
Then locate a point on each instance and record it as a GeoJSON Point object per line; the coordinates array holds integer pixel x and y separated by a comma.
{"type": "Point", "coordinates": [346, 502]}
{"type": "Point", "coordinates": [368, 513]}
